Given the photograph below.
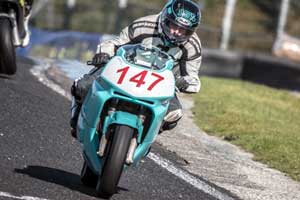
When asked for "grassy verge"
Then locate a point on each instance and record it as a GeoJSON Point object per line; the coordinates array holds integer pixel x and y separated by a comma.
{"type": "Point", "coordinates": [260, 119]}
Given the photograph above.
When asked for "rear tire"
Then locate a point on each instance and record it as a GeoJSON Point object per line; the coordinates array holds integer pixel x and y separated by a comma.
{"type": "Point", "coordinates": [7, 50]}
{"type": "Point", "coordinates": [87, 176]}
{"type": "Point", "coordinates": [113, 166]}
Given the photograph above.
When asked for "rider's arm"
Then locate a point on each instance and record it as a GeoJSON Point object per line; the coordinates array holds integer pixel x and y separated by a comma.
{"type": "Point", "coordinates": [190, 65]}
{"type": "Point", "coordinates": [134, 33]}
{"type": "Point", "coordinates": [191, 75]}
{"type": "Point", "coordinates": [110, 46]}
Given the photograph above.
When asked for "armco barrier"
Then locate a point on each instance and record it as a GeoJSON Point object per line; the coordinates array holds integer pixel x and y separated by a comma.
{"type": "Point", "coordinates": [221, 63]}
{"type": "Point", "coordinates": [272, 71]}
{"type": "Point", "coordinates": [263, 69]}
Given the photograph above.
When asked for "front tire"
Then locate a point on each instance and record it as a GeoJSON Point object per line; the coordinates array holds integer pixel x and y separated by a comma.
{"type": "Point", "coordinates": [7, 50]}
{"type": "Point", "coordinates": [113, 166]}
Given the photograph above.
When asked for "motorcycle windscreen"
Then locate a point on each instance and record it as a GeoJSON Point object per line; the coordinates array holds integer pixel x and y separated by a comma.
{"type": "Point", "coordinates": [139, 82]}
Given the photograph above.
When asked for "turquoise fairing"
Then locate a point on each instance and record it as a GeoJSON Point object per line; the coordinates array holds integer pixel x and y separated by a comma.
{"type": "Point", "coordinates": [102, 91]}
{"type": "Point", "coordinates": [89, 117]}
{"type": "Point", "coordinates": [123, 118]}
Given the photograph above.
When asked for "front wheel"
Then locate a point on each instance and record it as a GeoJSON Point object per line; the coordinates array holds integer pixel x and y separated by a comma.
{"type": "Point", "coordinates": [7, 50]}
{"type": "Point", "coordinates": [113, 166]}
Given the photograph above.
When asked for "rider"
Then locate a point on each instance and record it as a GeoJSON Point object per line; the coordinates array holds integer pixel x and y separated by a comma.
{"type": "Point", "coordinates": [27, 14]}
{"type": "Point", "coordinates": [173, 31]}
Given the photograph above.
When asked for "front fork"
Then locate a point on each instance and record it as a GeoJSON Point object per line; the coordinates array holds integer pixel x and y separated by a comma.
{"type": "Point", "coordinates": [130, 153]}
{"type": "Point", "coordinates": [133, 142]}
{"type": "Point", "coordinates": [11, 16]}
{"type": "Point", "coordinates": [103, 141]}
{"type": "Point", "coordinates": [15, 30]}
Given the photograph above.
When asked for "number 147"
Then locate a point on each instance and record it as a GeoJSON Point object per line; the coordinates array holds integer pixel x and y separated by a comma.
{"type": "Point", "coordinates": [139, 78]}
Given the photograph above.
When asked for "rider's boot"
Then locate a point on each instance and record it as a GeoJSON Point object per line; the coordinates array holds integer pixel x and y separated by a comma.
{"type": "Point", "coordinates": [166, 126]}
{"type": "Point", "coordinates": [171, 119]}
{"type": "Point", "coordinates": [75, 110]}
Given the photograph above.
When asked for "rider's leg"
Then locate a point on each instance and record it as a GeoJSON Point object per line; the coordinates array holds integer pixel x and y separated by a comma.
{"type": "Point", "coordinates": [79, 90]}
{"type": "Point", "coordinates": [173, 115]}
{"type": "Point", "coordinates": [75, 110]}
{"type": "Point", "coordinates": [27, 14]}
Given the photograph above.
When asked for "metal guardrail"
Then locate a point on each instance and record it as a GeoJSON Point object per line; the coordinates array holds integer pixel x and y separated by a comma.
{"type": "Point", "coordinates": [258, 68]}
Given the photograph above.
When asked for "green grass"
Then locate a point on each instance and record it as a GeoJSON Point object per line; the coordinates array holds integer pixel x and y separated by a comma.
{"type": "Point", "coordinates": [260, 119]}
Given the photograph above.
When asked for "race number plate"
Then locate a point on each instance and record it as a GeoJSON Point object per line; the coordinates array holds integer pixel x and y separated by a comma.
{"type": "Point", "coordinates": [139, 82]}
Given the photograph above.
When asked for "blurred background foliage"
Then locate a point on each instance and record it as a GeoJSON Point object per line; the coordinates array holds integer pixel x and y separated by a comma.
{"type": "Point", "coordinates": [254, 25]}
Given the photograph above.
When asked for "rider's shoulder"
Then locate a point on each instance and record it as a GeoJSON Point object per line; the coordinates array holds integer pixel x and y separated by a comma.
{"type": "Point", "coordinates": [193, 45]}
{"type": "Point", "coordinates": [143, 25]}
{"type": "Point", "coordinates": [194, 40]}
{"type": "Point", "coordinates": [148, 18]}
{"type": "Point", "coordinates": [147, 21]}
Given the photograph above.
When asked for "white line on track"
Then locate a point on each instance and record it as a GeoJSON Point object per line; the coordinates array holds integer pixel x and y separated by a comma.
{"type": "Point", "coordinates": [166, 164]}
{"type": "Point", "coordinates": [197, 183]}
{"type": "Point", "coordinates": [8, 195]}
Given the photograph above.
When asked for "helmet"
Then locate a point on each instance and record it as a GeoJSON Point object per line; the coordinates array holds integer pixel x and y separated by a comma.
{"type": "Point", "coordinates": [179, 20]}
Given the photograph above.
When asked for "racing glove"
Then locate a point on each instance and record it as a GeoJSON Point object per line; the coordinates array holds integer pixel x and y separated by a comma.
{"type": "Point", "coordinates": [99, 59]}
{"type": "Point", "coordinates": [183, 82]}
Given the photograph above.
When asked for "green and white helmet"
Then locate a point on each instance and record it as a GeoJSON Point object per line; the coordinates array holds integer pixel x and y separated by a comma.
{"type": "Point", "coordinates": [178, 20]}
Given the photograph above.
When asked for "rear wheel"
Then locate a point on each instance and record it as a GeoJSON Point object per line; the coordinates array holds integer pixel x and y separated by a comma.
{"type": "Point", "coordinates": [87, 176]}
{"type": "Point", "coordinates": [113, 166]}
{"type": "Point", "coordinates": [7, 50]}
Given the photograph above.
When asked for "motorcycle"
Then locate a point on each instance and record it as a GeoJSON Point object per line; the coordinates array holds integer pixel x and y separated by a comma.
{"type": "Point", "coordinates": [122, 114]}
{"type": "Point", "coordinates": [12, 32]}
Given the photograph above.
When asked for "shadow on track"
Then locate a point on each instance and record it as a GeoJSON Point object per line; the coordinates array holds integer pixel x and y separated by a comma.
{"type": "Point", "coordinates": [59, 177]}
{"type": "Point", "coordinates": [4, 76]}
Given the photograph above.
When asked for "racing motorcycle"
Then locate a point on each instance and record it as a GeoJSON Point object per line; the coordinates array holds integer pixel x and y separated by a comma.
{"type": "Point", "coordinates": [122, 114]}
{"type": "Point", "coordinates": [12, 32]}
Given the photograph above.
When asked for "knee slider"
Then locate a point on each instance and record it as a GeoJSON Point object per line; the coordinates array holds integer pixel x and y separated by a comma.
{"type": "Point", "coordinates": [168, 126]}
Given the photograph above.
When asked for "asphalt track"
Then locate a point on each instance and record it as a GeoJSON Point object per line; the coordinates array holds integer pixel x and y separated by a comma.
{"type": "Point", "coordinates": [40, 160]}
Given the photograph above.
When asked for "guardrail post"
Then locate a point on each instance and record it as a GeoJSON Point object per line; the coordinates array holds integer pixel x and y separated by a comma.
{"type": "Point", "coordinates": [122, 5]}
{"type": "Point", "coordinates": [227, 23]}
{"type": "Point", "coordinates": [284, 10]}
